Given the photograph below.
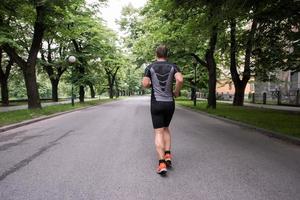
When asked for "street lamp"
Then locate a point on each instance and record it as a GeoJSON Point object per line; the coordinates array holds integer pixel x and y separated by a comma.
{"type": "Point", "coordinates": [195, 84]}
{"type": "Point", "coordinates": [125, 86]}
{"type": "Point", "coordinates": [72, 60]}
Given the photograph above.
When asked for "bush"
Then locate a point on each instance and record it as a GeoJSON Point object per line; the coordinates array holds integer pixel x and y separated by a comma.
{"type": "Point", "coordinates": [184, 93]}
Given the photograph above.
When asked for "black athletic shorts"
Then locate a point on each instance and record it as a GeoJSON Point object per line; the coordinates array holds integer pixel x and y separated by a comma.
{"type": "Point", "coordinates": [162, 113]}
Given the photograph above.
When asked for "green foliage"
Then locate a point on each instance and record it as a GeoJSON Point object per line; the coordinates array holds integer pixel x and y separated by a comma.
{"type": "Point", "coordinates": [17, 85]}
{"type": "Point", "coordinates": [277, 40]}
{"type": "Point", "coordinates": [72, 28]}
{"type": "Point", "coordinates": [184, 29]}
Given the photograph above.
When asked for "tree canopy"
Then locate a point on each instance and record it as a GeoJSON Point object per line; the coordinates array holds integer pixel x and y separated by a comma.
{"type": "Point", "coordinates": [38, 36]}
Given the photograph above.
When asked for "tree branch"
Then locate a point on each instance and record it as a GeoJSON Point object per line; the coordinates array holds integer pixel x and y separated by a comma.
{"type": "Point", "coordinates": [39, 29]}
{"type": "Point", "coordinates": [233, 50]}
{"type": "Point", "coordinates": [247, 71]}
{"type": "Point", "coordinates": [199, 60]}
{"type": "Point", "coordinates": [13, 55]}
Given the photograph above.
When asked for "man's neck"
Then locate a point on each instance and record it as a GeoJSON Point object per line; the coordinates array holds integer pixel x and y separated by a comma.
{"type": "Point", "coordinates": [161, 59]}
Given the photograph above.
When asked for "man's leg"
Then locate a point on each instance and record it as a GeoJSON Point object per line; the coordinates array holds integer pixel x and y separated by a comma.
{"type": "Point", "coordinates": [158, 124]}
{"type": "Point", "coordinates": [160, 148]}
{"type": "Point", "coordinates": [160, 142]}
{"type": "Point", "coordinates": [167, 139]}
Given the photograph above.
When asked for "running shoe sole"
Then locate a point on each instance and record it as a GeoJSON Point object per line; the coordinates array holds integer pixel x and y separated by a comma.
{"type": "Point", "coordinates": [162, 172]}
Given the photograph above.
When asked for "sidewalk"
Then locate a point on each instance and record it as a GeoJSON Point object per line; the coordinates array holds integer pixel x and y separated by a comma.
{"type": "Point", "coordinates": [23, 107]}
{"type": "Point", "coordinates": [274, 107]}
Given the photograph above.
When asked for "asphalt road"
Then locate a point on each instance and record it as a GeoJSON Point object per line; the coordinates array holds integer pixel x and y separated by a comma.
{"type": "Point", "coordinates": [107, 152]}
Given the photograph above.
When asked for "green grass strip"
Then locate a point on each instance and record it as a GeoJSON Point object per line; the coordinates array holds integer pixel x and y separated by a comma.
{"type": "Point", "coordinates": [283, 122]}
{"type": "Point", "coordinates": [12, 117]}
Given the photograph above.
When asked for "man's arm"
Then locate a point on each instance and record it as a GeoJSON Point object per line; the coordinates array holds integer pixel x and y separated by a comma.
{"type": "Point", "coordinates": [179, 83]}
{"type": "Point", "coordinates": [146, 82]}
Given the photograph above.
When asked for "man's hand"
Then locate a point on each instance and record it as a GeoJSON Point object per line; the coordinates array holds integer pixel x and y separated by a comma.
{"type": "Point", "coordinates": [179, 83]}
{"type": "Point", "coordinates": [176, 94]}
{"type": "Point", "coordinates": [146, 82]}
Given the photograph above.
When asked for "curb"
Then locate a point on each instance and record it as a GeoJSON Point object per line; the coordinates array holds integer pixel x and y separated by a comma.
{"type": "Point", "coordinates": [269, 133]}
{"type": "Point", "coordinates": [31, 121]}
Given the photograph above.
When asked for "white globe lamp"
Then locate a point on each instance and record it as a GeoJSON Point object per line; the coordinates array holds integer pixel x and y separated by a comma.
{"type": "Point", "coordinates": [72, 59]}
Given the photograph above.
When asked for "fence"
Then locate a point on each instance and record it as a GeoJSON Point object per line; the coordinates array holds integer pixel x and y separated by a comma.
{"type": "Point", "coordinates": [291, 97]}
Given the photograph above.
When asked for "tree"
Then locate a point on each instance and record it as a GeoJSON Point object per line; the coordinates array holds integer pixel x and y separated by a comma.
{"type": "Point", "coordinates": [15, 15]}
{"type": "Point", "coordinates": [259, 31]}
{"type": "Point", "coordinates": [28, 65]}
{"type": "Point", "coordinates": [240, 84]}
{"type": "Point", "coordinates": [90, 40]}
{"type": "Point", "coordinates": [5, 68]}
{"type": "Point", "coordinates": [277, 44]}
{"type": "Point", "coordinates": [53, 63]}
{"type": "Point", "coordinates": [111, 67]}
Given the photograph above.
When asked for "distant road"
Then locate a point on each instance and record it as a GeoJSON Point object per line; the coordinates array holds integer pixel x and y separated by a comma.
{"type": "Point", "coordinates": [107, 152]}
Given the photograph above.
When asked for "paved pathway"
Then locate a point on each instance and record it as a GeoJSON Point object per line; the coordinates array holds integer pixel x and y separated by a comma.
{"type": "Point", "coordinates": [23, 107]}
{"type": "Point", "coordinates": [274, 107]}
{"type": "Point", "coordinates": [107, 152]}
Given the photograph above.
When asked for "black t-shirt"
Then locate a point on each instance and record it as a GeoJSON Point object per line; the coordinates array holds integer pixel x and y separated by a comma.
{"type": "Point", "coordinates": [161, 74]}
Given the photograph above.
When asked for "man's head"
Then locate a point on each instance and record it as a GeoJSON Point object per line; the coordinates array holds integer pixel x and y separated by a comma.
{"type": "Point", "coordinates": [162, 52]}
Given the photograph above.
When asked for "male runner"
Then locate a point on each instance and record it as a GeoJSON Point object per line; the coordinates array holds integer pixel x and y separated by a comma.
{"type": "Point", "coordinates": [160, 76]}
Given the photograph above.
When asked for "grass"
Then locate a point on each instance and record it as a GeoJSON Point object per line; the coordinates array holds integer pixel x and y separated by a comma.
{"type": "Point", "coordinates": [24, 102]}
{"type": "Point", "coordinates": [283, 122]}
{"type": "Point", "coordinates": [12, 117]}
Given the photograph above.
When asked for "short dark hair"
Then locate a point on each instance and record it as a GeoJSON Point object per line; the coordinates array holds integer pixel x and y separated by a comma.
{"type": "Point", "coordinates": [162, 51]}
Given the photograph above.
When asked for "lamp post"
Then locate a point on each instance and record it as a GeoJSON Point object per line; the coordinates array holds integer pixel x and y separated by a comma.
{"type": "Point", "coordinates": [195, 85]}
{"type": "Point", "coordinates": [72, 60]}
{"type": "Point", "coordinates": [126, 87]}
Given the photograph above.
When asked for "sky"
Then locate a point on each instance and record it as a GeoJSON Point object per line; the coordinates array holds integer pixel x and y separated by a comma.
{"type": "Point", "coordinates": [112, 12]}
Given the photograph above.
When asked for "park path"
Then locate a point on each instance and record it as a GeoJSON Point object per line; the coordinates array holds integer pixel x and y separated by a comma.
{"type": "Point", "coordinates": [24, 107]}
{"type": "Point", "coordinates": [107, 152]}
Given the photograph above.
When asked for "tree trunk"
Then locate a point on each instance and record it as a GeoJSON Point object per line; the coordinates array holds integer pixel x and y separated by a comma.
{"type": "Point", "coordinates": [111, 88]}
{"type": "Point", "coordinates": [81, 70]}
{"type": "Point", "coordinates": [4, 92]}
{"type": "Point", "coordinates": [211, 65]}
{"type": "Point", "coordinates": [54, 84]}
{"type": "Point", "coordinates": [193, 91]}
{"type": "Point", "coordinates": [93, 93]}
{"type": "Point", "coordinates": [240, 85]}
{"type": "Point", "coordinates": [117, 91]}
{"type": "Point", "coordinates": [212, 82]}
{"type": "Point", "coordinates": [111, 78]}
{"type": "Point", "coordinates": [81, 93]}
{"type": "Point", "coordinates": [3, 80]}
{"type": "Point", "coordinates": [29, 71]}
{"type": "Point", "coordinates": [239, 95]}
{"type": "Point", "coordinates": [238, 99]}
{"type": "Point", "coordinates": [111, 91]}
{"type": "Point", "coordinates": [110, 84]}
{"type": "Point", "coordinates": [31, 87]}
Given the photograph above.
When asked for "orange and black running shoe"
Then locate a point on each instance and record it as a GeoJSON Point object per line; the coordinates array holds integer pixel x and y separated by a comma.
{"type": "Point", "coordinates": [162, 168]}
